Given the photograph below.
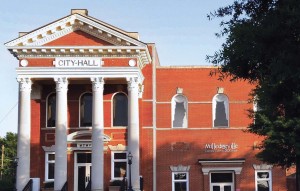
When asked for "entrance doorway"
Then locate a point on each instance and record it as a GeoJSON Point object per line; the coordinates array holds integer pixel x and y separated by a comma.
{"type": "Point", "coordinates": [221, 181]}
{"type": "Point", "coordinates": [83, 170]}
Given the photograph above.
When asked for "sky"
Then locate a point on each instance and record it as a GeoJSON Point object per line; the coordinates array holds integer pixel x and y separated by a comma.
{"type": "Point", "coordinates": [180, 29]}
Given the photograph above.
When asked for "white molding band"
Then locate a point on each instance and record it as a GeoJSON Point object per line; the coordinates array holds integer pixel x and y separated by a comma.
{"type": "Point", "coordinates": [206, 170]}
{"type": "Point", "coordinates": [180, 168]}
{"type": "Point", "coordinates": [262, 167]}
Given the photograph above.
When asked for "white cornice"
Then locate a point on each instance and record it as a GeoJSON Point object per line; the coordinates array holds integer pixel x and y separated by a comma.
{"type": "Point", "coordinates": [141, 53]}
{"type": "Point", "coordinates": [80, 73]}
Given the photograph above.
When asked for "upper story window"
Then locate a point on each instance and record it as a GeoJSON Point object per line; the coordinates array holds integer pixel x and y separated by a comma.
{"type": "Point", "coordinates": [179, 111]}
{"type": "Point", "coordinates": [120, 110]}
{"type": "Point", "coordinates": [51, 110]}
{"type": "Point", "coordinates": [86, 107]}
{"type": "Point", "coordinates": [220, 110]}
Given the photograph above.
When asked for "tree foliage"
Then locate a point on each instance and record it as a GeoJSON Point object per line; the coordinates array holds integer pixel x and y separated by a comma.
{"type": "Point", "coordinates": [10, 152]}
{"type": "Point", "coordinates": [263, 46]}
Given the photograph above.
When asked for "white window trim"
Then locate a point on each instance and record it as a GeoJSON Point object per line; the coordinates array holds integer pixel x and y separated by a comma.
{"type": "Point", "coordinates": [232, 184]}
{"type": "Point", "coordinates": [214, 105]}
{"type": "Point", "coordinates": [186, 180]}
{"type": "Point", "coordinates": [79, 113]}
{"type": "Point", "coordinates": [112, 108]}
{"type": "Point", "coordinates": [47, 167]}
{"type": "Point", "coordinates": [47, 98]}
{"type": "Point", "coordinates": [173, 105]}
{"type": "Point", "coordinates": [113, 160]}
{"type": "Point", "coordinates": [263, 179]}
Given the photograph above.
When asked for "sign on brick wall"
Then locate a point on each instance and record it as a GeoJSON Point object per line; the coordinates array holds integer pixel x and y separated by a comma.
{"type": "Point", "coordinates": [220, 147]}
{"type": "Point", "coordinates": [77, 62]}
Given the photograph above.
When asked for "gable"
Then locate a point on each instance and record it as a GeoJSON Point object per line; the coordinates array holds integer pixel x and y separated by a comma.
{"type": "Point", "coordinates": [78, 38]}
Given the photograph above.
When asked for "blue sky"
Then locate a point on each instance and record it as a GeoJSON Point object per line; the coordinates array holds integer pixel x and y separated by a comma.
{"type": "Point", "coordinates": [180, 29]}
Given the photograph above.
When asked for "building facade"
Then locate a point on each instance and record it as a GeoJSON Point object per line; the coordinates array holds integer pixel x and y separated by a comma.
{"type": "Point", "coordinates": [91, 93]}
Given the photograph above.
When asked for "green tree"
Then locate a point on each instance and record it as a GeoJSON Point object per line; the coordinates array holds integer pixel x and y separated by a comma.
{"type": "Point", "coordinates": [263, 46]}
{"type": "Point", "coordinates": [10, 152]}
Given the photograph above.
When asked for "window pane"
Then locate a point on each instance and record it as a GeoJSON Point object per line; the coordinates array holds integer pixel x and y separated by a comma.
{"type": "Point", "coordinates": [51, 171]}
{"type": "Point", "coordinates": [120, 169]}
{"type": "Point", "coordinates": [180, 176]}
{"type": "Point", "coordinates": [263, 185]}
{"type": "Point", "coordinates": [86, 110]}
{"type": "Point", "coordinates": [216, 188]}
{"type": "Point", "coordinates": [120, 155]}
{"type": "Point", "coordinates": [51, 110]}
{"type": "Point", "coordinates": [179, 114]}
{"type": "Point", "coordinates": [220, 120]}
{"type": "Point", "coordinates": [180, 186]}
{"type": "Point", "coordinates": [227, 188]}
{"type": "Point", "coordinates": [120, 110]}
{"type": "Point", "coordinates": [84, 158]}
{"type": "Point", "coordinates": [51, 157]}
{"type": "Point", "coordinates": [263, 174]}
{"type": "Point", "coordinates": [221, 177]}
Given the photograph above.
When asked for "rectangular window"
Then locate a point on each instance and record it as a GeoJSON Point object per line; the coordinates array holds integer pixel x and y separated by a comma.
{"type": "Point", "coordinates": [49, 166]}
{"type": "Point", "coordinates": [263, 180]}
{"type": "Point", "coordinates": [119, 165]}
{"type": "Point", "coordinates": [180, 181]}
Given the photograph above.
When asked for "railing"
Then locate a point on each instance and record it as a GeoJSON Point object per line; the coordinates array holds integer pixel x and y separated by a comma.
{"type": "Point", "coordinates": [28, 186]}
{"type": "Point", "coordinates": [88, 186]}
{"type": "Point", "coordinates": [65, 187]}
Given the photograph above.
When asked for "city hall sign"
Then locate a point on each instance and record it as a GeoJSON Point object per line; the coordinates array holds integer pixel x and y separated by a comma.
{"type": "Point", "coordinates": [220, 147]}
{"type": "Point", "coordinates": [66, 62]}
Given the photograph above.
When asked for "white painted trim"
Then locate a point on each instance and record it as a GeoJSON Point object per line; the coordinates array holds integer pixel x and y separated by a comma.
{"type": "Point", "coordinates": [207, 170]}
{"type": "Point", "coordinates": [82, 73]}
{"type": "Point", "coordinates": [70, 137]}
{"type": "Point", "coordinates": [117, 160]}
{"type": "Point", "coordinates": [47, 167]}
{"type": "Point", "coordinates": [186, 180]}
{"type": "Point", "coordinates": [76, 165]}
{"type": "Point", "coordinates": [222, 184]}
{"type": "Point", "coordinates": [263, 179]}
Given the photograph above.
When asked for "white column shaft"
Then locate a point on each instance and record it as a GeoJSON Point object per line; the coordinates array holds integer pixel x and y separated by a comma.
{"type": "Point", "coordinates": [133, 131]}
{"type": "Point", "coordinates": [24, 125]}
{"type": "Point", "coordinates": [97, 136]}
{"type": "Point", "coordinates": [61, 160]}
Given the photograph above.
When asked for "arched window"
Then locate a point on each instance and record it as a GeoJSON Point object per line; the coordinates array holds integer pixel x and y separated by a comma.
{"type": "Point", "coordinates": [220, 110]}
{"type": "Point", "coordinates": [120, 110]}
{"type": "Point", "coordinates": [86, 109]}
{"type": "Point", "coordinates": [51, 110]}
{"type": "Point", "coordinates": [179, 111]}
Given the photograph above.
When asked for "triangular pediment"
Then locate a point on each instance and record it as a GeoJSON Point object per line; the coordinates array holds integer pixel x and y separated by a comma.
{"type": "Point", "coordinates": [95, 32]}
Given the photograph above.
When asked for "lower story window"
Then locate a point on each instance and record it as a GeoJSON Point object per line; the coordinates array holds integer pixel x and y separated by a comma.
{"type": "Point", "coordinates": [49, 166]}
{"type": "Point", "coordinates": [180, 181]}
{"type": "Point", "coordinates": [119, 165]}
{"type": "Point", "coordinates": [263, 180]}
{"type": "Point", "coordinates": [221, 181]}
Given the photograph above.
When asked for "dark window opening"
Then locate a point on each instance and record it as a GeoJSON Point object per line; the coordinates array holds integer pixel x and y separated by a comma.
{"type": "Point", "coordinates": [51, 110]}
{"type": "Point", "coordinates": [179, 114]}
{"type": "Point", "coordinates": [86, 107]}
{"type": "Point", "coordinates": [220, 115]}
{"type": "Point", "coordinates": [120, 110]}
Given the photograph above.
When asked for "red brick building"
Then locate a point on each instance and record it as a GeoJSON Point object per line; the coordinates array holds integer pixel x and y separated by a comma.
{"type": "Point", "coordinates": [91, 93]}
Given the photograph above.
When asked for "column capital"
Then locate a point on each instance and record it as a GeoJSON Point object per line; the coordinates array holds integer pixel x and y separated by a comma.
{"type": "Point", "coordinates": [61, 84]}
{"type": "Point", "coordinates": [25, 84]}
{"type": "Point", "coordinates": [97, 83]}
{"type": "Point", "coordinates": [133, 83]}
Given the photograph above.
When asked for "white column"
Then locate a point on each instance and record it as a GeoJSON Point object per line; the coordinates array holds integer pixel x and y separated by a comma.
{"type": "Point", "coordinates": [24, 125]}
{"type": "Point", "coordinates": [134, 131]}
{"type": "Point", "coordinates": [97, 136]}
{"type": "Point", "coordinates": [60, 170]}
